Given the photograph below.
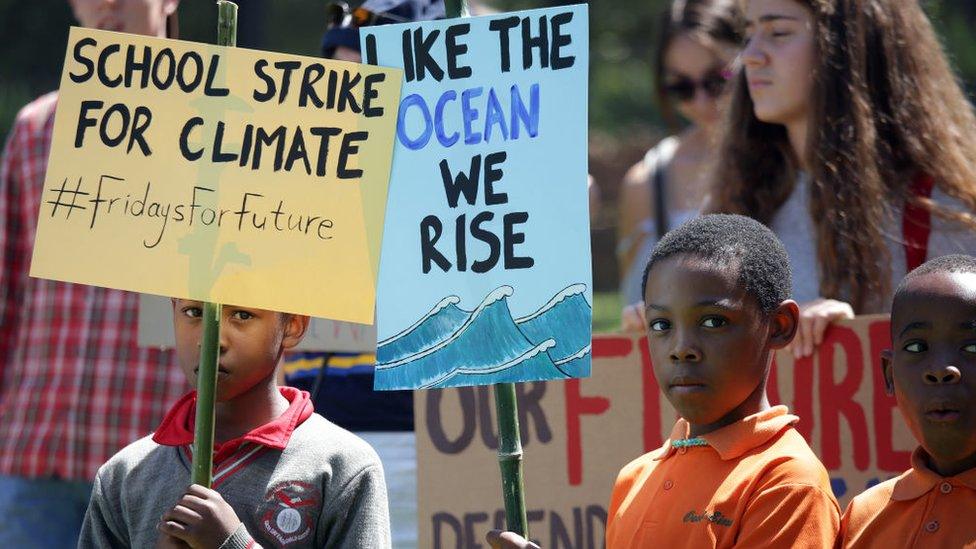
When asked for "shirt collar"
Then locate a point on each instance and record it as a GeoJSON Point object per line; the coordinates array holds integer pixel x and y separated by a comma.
{"type": "Point", "coordinates": [918, 480]}
{"type": "Point", "coordinates": [177, 427]}
{"type": "Point", "coordinates": [736, 439]}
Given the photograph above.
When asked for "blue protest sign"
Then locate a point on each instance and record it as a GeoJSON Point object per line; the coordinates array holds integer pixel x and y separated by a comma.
{"type": "Point", "coordinates": [485, 264]}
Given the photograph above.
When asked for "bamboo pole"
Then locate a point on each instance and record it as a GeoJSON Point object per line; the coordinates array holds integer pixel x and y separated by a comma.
{"type": "Point", "coordinates": [203, 434]}
{"type": "Point", "coordinates": [506, 410]}
{"type": "Point", "coordinates": [510, 459]}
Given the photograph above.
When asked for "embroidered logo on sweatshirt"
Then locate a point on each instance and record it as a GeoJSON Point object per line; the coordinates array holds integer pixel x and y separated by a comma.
{"type": "Point", "coordinates": [288, 511]}
{"type": "Point", "coordinates": [715, 518]}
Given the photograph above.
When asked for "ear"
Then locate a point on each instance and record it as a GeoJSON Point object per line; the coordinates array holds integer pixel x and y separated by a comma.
{"type": "Point", "coordinates": [783, 324]}
{"type": "Point", "coordinates": [887, 358]}
{"type": "Point", "coordinates": [295, 328]}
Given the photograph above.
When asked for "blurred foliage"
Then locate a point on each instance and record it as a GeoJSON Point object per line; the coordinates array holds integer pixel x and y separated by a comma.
{"type": "Point", "coordinates": [606, 312]}
{"type": "Point", "coordinates": [622, 34]}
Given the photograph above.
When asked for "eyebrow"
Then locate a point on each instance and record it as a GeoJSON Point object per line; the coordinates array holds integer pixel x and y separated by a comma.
{"type": "Point", "coordinates": [720, 303]}
{"type": "Point", "coordinates": [772, 17]}
{"type": "Point", "coordinates": [914, 326]}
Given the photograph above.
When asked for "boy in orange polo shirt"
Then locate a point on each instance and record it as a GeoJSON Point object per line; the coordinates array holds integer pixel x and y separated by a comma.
{"type": "Point", "coordinates": [931, 371]}
{"type": "Point", "coordinates": [734, 472]}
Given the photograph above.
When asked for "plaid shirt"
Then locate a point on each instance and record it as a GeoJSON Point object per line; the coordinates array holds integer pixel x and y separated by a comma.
{"type": "Point", "coordinates": [75, 386]}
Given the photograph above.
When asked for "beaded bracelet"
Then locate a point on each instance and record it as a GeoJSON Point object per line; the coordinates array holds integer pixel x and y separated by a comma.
{"type": "Point", "coordinates": [686, 442]}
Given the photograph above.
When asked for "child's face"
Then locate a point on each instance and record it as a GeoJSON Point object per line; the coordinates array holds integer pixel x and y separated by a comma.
{"type": "Point", "coordinates": [709, 341]}
{"type": "Point", "coordinates": [251, 344]}
{"type": "Point", "coordinates": [931, 369]}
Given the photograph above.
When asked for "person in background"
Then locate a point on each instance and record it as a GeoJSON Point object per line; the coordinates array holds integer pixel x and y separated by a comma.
{"type": "Point", "coordinates": [697, 43]}
{"type": "Point", "coordinates": [849, 136]}
{"type": "Point", "coordinates": [75, 387]}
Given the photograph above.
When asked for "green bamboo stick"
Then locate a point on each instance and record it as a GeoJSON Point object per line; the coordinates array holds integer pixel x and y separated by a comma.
{"type": "Point", "coordinates": [510, 459]}
{"type": "Point", "coordinates": [203, 434]}
{"type": "Point", "coordinates": [226, 23]}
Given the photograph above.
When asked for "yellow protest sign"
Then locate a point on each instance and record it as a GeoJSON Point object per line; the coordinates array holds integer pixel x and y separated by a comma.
{"type": "Point", "coordinates": [220, 174]}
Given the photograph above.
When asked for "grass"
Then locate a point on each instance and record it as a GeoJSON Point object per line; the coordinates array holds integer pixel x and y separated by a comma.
{"type": "Point", "coordinates": [606, 312]}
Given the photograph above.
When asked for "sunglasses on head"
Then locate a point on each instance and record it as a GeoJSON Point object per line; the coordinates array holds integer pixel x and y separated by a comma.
{"type": "Point", "coordinates": [713, 84]}
{"type": "Point", "coordinates": [338, 14]}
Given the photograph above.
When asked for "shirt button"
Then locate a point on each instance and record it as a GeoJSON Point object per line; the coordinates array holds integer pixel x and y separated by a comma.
{"type": "Point", "coordinates": [668, 485]}
{"type": "Point", "coordinates": [683, 451]}
{"type": "Point", "coordinates": [932, 526]}
{"type": "Point", "coordinates": [945, 488]}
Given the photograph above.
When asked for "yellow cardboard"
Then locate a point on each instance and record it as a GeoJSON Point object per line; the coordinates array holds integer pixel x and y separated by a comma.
{"type": "Point", "coordinates": [201, 175]}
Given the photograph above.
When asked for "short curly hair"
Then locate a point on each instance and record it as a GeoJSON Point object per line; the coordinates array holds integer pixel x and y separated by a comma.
{"type": "Point", "coordinates": [739, 242]}
{"type": "Point", "coordinates": [955, 263]}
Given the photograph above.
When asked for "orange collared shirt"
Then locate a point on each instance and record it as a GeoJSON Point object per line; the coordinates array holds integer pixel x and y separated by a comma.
{"type": "Point", "coordinates": [756, 484]}
{"type": "Point", "coordinates": [919, 508]}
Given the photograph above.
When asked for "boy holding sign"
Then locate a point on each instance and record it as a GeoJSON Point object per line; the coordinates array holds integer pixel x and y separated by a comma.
{"type": "Point", "coordinates": [282, 474]}
{"type": "Point", "coordinates": [734, 471]}
{"type": "Point", "coordinates": [931, 370]}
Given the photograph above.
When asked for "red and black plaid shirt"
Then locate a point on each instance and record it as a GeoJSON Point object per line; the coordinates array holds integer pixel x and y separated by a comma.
{"type": "Point", "coordinates": [75, 388]}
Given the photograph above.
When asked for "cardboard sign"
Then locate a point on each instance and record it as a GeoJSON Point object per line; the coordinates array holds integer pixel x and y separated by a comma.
{"type": "Point", "coordinates": [207, 172]}
{"type": "Point", "coordinates": [579, 433]}
{"type": "Point", "coordinates": [156, 330]}
{"type": "Point", "coordinates": [485, 272]}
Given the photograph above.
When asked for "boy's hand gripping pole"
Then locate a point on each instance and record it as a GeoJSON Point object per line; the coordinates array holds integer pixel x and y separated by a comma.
{"type": "Point", "coordinates": [203, 434]}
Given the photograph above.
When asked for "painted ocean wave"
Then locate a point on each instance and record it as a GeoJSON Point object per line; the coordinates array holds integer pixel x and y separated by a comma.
{"type": "Point", "coordinates": [566, 318]}
{"type": "Point", "coordinates": [527, 364]}
{"type": "Point", "coordinates": [440, 323]}
{"type": "Point", "coordinates": [577, 364]}
{"type": "Point", "coordinates": [453, 347]}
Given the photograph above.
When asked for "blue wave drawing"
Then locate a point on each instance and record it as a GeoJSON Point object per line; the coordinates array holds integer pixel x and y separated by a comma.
{"type": "Point", "coordinates": [442, 321]}
{"type": "Point", "coordinates": [561, 315]}
{"type": "Point", "coordinates": [451, 347]}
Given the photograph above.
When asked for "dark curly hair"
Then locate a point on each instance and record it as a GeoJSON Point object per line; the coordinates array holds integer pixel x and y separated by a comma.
{"type": "Point", "coordinates": [737, 242]}
{"type": "Point", "coordinates": [956, 263]}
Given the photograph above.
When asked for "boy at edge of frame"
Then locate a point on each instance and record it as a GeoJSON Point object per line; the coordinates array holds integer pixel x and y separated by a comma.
{"type": "Point", "coordinates": [931, 371]}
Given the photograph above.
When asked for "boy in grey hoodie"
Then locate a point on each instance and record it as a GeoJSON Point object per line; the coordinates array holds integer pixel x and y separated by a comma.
{"type": "Point", "coordinates": [283, 476]}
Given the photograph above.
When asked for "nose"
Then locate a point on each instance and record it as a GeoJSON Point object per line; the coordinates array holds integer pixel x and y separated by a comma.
{"type": "Point", "coordinates": [942, 375]}
{"type": "Point", "coordinates": [703, 101]}
{"type": "Point", "coordinates": [685, 349]}
{"type": "Point", "coordinates": [223, 339]}
{"type": "Point", "coordinates": [222, 343]}
{"type": "Point", "coordinates": [752, 54]}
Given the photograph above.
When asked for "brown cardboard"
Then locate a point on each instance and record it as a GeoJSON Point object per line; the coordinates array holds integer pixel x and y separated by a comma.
{"type": "Point", "coordinates": [578, 433]}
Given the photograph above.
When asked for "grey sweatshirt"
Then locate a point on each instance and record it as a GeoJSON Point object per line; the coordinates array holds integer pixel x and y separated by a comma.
{"type": "Point", "coordinates": [325, 489]}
